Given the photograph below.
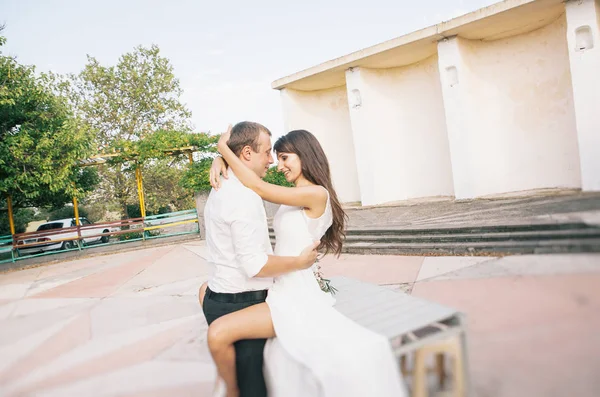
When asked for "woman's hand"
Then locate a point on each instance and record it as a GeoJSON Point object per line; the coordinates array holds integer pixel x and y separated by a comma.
{"type": "Point", "coordinates": [224, 139]}
{"type": "Point", "coordinates": [217, 169]}
{"type": "Point", "coordinates": [308, 256]}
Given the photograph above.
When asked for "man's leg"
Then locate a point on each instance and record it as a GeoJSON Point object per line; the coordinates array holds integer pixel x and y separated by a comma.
{"type": "Point", "coordinates": [249, 367]}
{"type": "Point", "coordinates": [249, 353]}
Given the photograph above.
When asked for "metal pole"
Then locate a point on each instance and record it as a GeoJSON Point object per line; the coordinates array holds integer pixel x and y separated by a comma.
{"type": "Point", "coordinates": [140, 186]}
{"type": "Point", "coordinates": [11, 219]}
{"type": "Point", "coordinates": [76, 210]}
{"type": "Point", "coordinates": [77, 223]}
{"type": "Point", "coordinates": [191, 158]}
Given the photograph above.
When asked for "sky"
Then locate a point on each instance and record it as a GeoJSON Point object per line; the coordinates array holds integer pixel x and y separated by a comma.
{"type": "Point", "coordinates": [226, 54]}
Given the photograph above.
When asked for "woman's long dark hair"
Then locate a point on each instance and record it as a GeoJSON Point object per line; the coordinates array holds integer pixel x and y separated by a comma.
{"type": "Point", "coordinates": [315, 168]}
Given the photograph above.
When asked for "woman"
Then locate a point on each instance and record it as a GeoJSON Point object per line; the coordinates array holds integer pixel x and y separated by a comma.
{"type": "Point", "coordinates": [317, 351]}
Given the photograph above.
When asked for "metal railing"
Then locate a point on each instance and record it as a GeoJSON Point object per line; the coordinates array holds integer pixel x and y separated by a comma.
{"type": "Point", "coordinates": [6, 249]}
{"type": "Point", "coordinates": [77, 238]}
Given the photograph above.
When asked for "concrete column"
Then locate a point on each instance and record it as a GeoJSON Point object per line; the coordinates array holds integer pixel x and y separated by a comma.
{"type": "Point", "coordinates": [399, 132]}
{"type": "Point", "coordinates": [455, 88]}
{"type": "Point", "coordinates": [583, 37]}
{"type": "Point", "coordinates": [324, 113]}
{"type": "Point", "coordinates": [510, 113]}
{"type": "Point", "coordinates": [200, 198]}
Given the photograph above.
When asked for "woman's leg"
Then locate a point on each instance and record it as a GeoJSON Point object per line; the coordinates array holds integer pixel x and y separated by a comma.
{"type": "Point", "coordinates": [253, 322]}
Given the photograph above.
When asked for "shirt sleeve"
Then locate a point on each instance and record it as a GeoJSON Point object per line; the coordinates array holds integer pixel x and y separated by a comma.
{"type": "Point", "coordinates": [248, 235]}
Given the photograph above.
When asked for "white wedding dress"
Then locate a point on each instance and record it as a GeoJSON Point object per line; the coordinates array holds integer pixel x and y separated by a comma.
{"type": "Point", "coordinates": [318, 352]}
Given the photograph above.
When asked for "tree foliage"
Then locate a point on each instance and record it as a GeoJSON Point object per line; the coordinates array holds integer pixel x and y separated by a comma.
{"type": "Point", "coordinates": [129, 101]}
{"type": "Point", "coordinates": [161, 145]}
{"type": "Point", "coordinates": [135, 111]}
{"type": "Point", "coordinates": [41, 140]}
{"type": "Point", "coordinates": [22, 217]}
{"type": "Point", "coordinates": [162, 188]}
{"type": "Point", "coordinates": [197, 176]}
{"type": "Point", "coordinates": [68, 212]}
{"type": "Point", "coordinates": [131, 111]}
{"type": "Point", "coordinates": [277, 178]}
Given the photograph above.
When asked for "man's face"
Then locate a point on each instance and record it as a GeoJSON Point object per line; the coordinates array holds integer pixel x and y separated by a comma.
{"type": "Point", "coordinates": [261, 161]}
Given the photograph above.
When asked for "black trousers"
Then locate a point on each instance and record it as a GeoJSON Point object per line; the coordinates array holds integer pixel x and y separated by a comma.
{"type": "Point", "coordinates": [248, 353]}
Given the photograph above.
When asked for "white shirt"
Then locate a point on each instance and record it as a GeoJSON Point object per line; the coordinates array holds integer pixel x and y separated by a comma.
{"type": "Point", "coordinates": [237, 237]}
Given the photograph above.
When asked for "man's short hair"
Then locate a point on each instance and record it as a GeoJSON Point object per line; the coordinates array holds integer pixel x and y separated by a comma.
{"type": "Point", "coordinates": [246, 133]}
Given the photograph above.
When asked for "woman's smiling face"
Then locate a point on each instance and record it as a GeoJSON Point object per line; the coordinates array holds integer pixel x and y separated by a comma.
{"type": "Point", "coordinates": [290, 165]}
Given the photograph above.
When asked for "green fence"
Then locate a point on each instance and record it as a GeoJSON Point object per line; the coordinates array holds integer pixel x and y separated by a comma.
{"type": "Point", "coordinates": [6, 249]}
{"type": "Point", "coordinates": [89, 236]}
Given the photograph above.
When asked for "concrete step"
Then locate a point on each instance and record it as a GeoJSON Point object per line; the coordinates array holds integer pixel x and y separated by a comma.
{"type": "Point", "coordinates": [474, 237]}
{"type": "Point", "coordinates": [474, 240]}
{"type": "Point", "coordinates": [473, 229]}
{"type": "Point", "coordinates": [475, 248]}
{"type": "Point", "coordinates": [509, 236]}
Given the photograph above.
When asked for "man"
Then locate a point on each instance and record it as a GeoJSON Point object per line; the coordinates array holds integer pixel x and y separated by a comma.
{"type": "Point", "coordinates": [238, 243]}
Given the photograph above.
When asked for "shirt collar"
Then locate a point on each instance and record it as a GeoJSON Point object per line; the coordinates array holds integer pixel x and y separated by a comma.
{"type": "Point", "coordinates": [231, 174]}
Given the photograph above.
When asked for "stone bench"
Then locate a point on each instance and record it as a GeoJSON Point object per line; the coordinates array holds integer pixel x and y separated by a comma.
{"type": "Point", "coordinates": [415, 327]}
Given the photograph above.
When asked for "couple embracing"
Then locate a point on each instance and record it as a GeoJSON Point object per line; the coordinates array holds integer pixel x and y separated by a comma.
{"type": "Point", "coordinates": [273, 330]}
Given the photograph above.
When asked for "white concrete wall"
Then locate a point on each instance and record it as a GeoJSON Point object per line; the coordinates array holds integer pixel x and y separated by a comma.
{"type": "Point", "coordinates": [325, 114]}
{"type": "Point", "coordinates": [510, 113]}
{"type": "Point", "coordinates": [582, 16]}
{"type": "Point", "coordinates": [399, 132]}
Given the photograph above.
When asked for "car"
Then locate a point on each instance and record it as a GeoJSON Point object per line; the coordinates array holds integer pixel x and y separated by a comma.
{"type": "Point", "coordinates": [49, 240]}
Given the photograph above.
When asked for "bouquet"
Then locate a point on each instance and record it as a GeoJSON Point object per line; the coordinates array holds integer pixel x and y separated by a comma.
{"type": "Point", "coordinates": [324, 283]}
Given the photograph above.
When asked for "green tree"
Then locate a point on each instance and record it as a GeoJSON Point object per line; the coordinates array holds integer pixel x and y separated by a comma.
{"type": "Point", "coordinates": [68, 212]}
{"type": "Point", "coordinates": [22, 217]}
{"type": "Point", "coordinates": [198, 175]}
{"type": "Point", "coordinates": [277, 178]}
{"type": "Point", "coordinates": [41, 139]}
{"type": "Point", "coordinates": [135, 98]}
{"type": "Point", "coordinates": [196, 178]}
{"type": "Point", "coordinates": [164, 169]}
{"type": "Point", "coordinates": [86, 179]}
{"type": "Point", "coordinates": [162, 188]}
{"type": "Point", "coordinates": [134, 109]}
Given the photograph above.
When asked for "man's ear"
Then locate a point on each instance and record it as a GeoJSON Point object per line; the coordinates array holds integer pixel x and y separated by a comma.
{"type": "Point", "coordinates": [246, 153]}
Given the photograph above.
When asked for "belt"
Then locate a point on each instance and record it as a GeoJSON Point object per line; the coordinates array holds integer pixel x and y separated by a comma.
{"type": "Point", "coordinates": [240, 297]}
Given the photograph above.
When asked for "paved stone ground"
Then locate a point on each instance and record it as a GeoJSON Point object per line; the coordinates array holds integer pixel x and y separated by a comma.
{"type": "Point", "coordinates": [129, 324]}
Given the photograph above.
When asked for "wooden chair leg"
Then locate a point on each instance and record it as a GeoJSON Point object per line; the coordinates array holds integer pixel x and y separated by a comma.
{"type": "Point", "coordinates": [459, 374]}
{"type": "Point", "coordinates": [440, 369]}
{"type": "Point", "coordinates": [403, 367]}
{"type": "Point", "coordinates": [419, 383]}
{"type": "Point", "coordinates": [451, 348]}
